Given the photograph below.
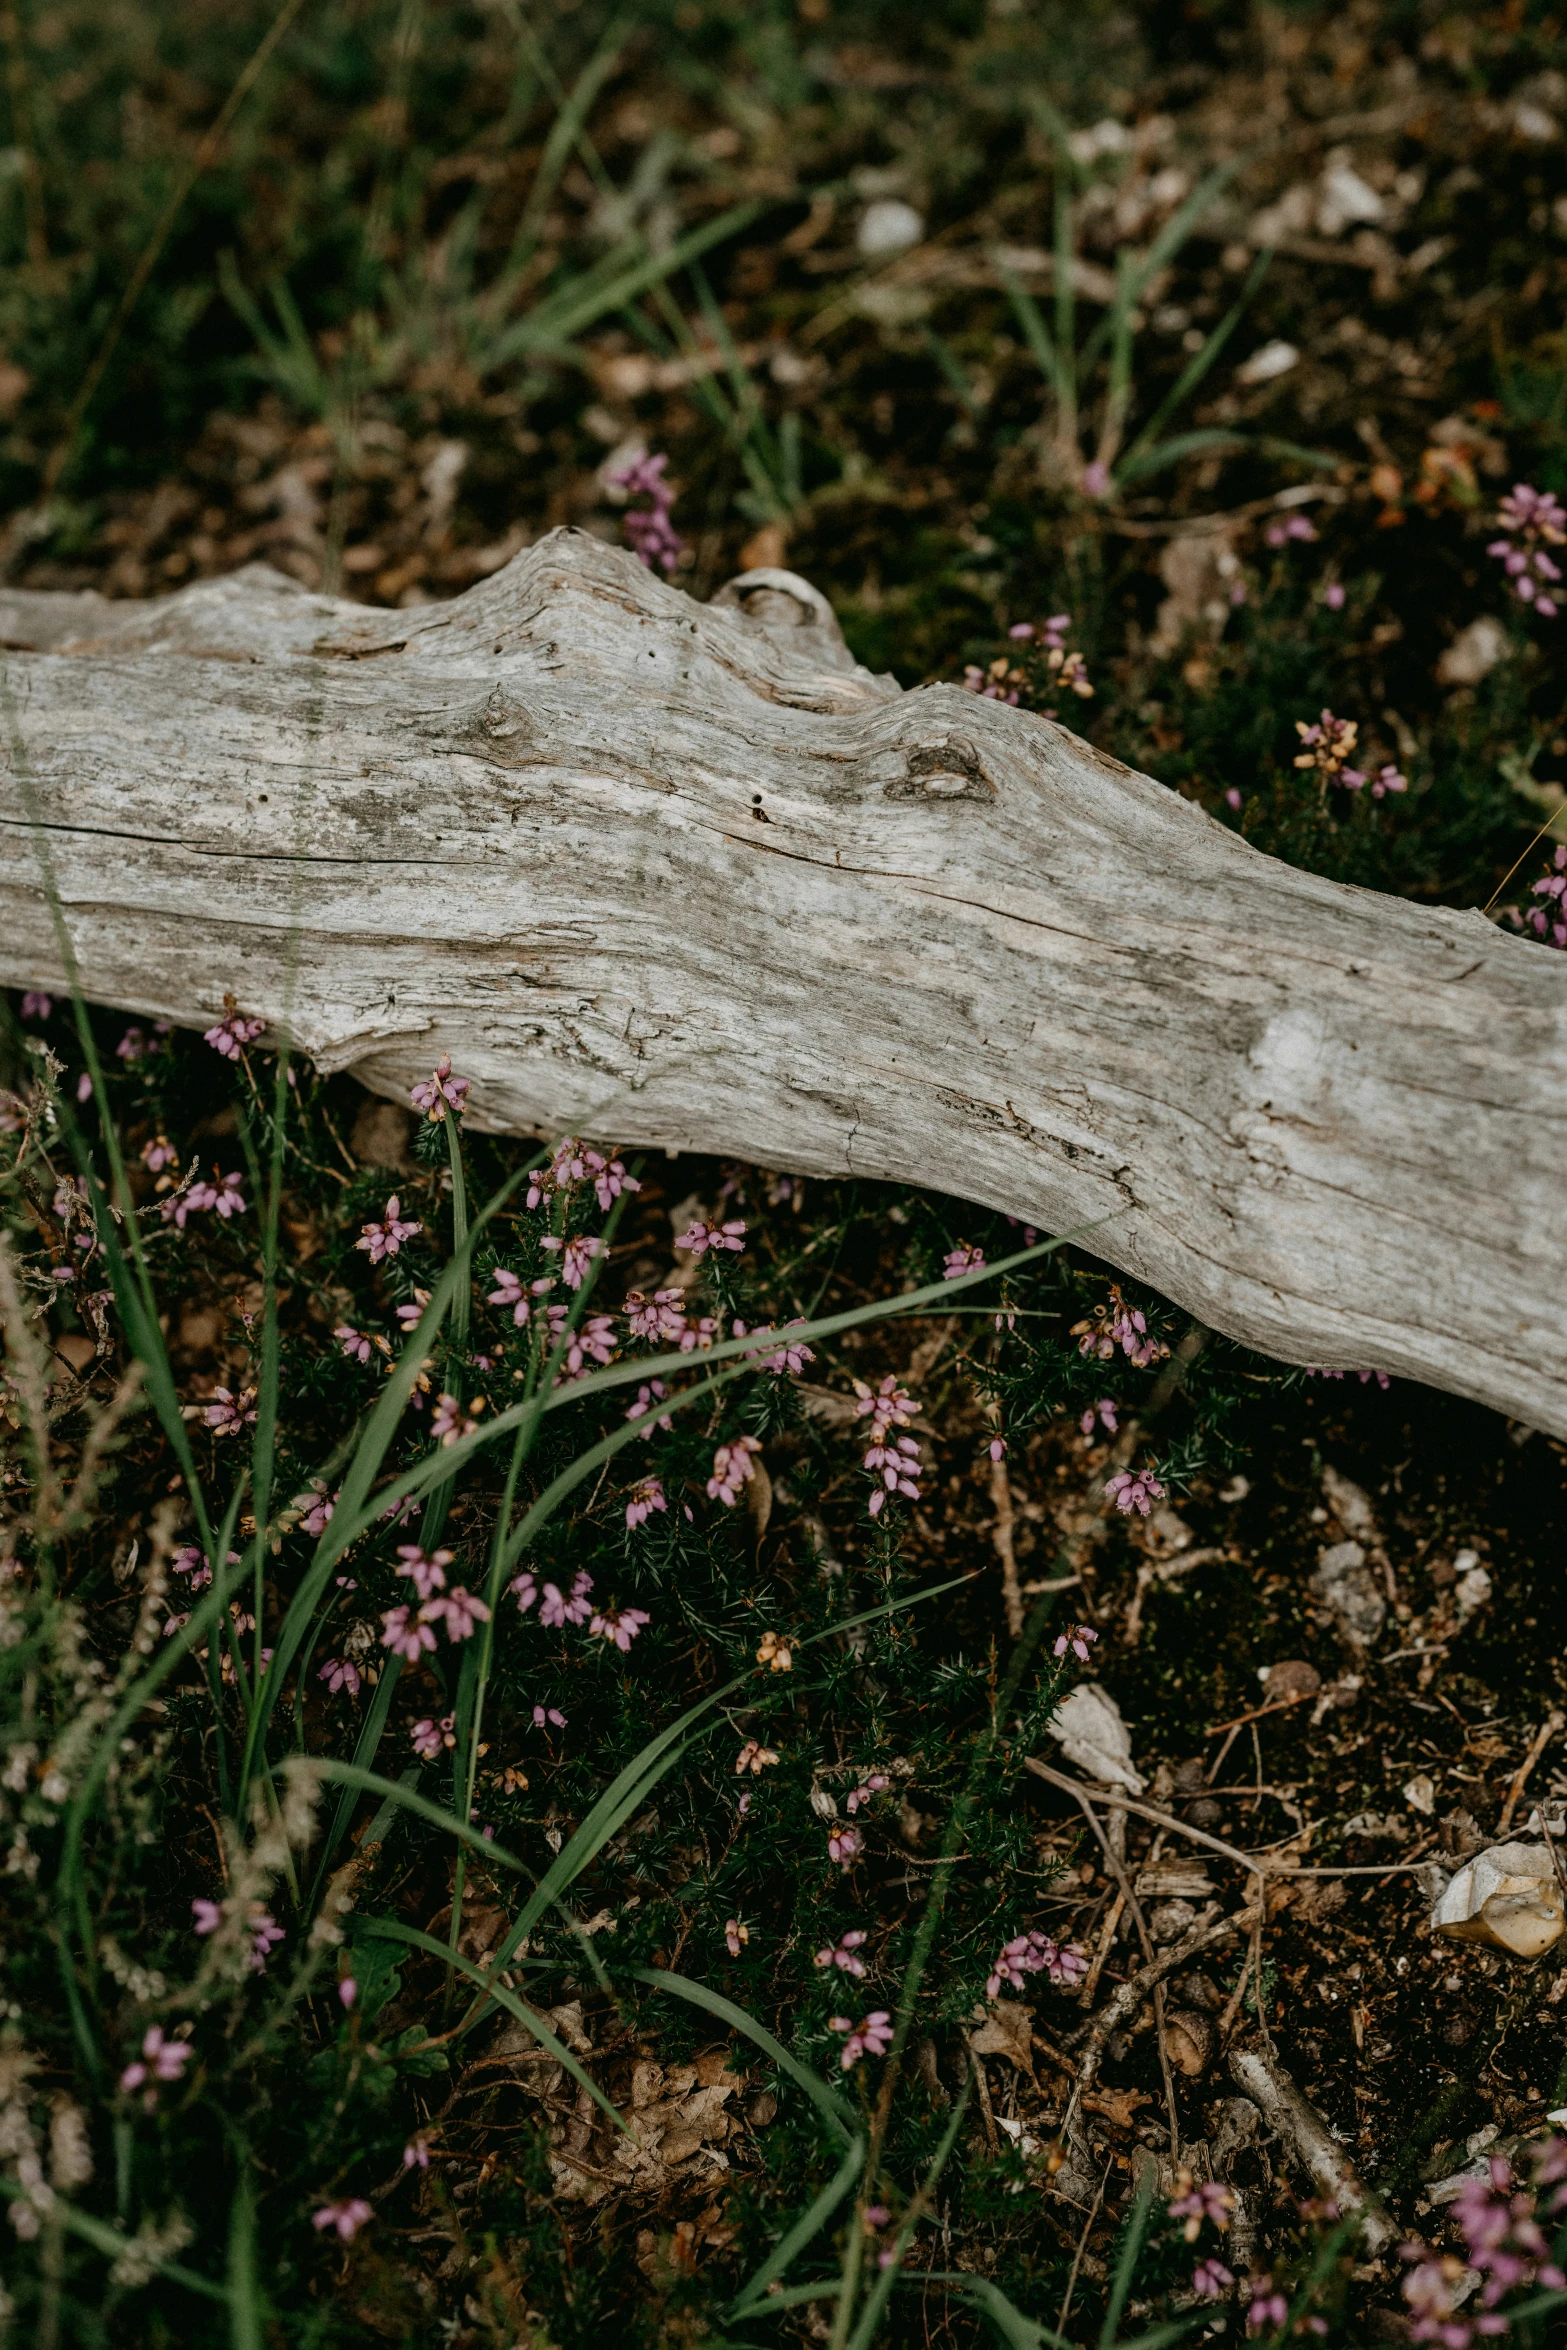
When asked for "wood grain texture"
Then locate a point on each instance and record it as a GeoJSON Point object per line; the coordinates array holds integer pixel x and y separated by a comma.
{"type": "Point", "coordinates": [680, 874]}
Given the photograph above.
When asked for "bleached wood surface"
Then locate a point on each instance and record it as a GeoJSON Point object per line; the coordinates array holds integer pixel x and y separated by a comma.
{"type": "Point", "coordinates": [679, 874]}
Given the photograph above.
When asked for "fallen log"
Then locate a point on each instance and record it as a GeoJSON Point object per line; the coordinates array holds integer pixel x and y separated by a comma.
{"type": "Point", "coordinates": [683, 874]}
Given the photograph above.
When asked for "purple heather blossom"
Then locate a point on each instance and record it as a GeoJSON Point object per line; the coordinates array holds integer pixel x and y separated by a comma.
{"type": "Point", "coordinates": [1533, 520]}
{"type": "Point", "coordinates": [347, 1990]}
{"type": "Point", "coordinates": [36, 1005]}
{"type": "Point", "coordinates": [1333, 595]}
{"type": "Point", "coordinates": [353, 1342]}
{"type": "Point", "coordinates": [546, 1714]}
{"type": "Point", "coordinates": [207, 1914]}
{"type": "Point", "coordinates": [347, 2217]}
{"type": "Point", "coordinates": [318, 1516]}
{"type": "Point", "coordinates": [1547, 920]}
{"type": "Point", "coordinates": [450, 1423]}
{"type": "Point", "coordinates": [429, 1737]}
{"type": "Point", "coordinates": [524, 1590]}
{"type": "Point", "coordinates": [618, 1625]}
{"type": "Point", "coordinates": [997, 1448]}
{"type": "Point", "coordinates": [190, 1559]}
{"type": "Point", "coordinates": [844, 1846]}
{"type": "Point", "coordinates": [1114, 1324]}
{"type": "Point", "coordinates": [609, 1179]}
{"type": "Point", "coordinates": [660, 1317]}
{"type": "Point", "coordinates": [1280, 531]}
{"type": "Point", "coordinates": [1265, 2306]}
{"type": "Point", "coordinates": [593, 1340]}
{"type": "Point", "coordinates": [1365, 1377]}
{"type": "Point", "coordinates": [1137, 1491]}
{"type": "Point", "coordinates": [1206, 2199]}
{"type": "Point", "coordinates": [650, 534]}
{"type": "Point", "coordinates": [575, 1256]}
{"type": "Point", "coordinates": [875, 1783]}
{"type": "Point", "coordinates": [233, 1032]}
{"type": "Point", "coordinates": [1326, 747]}
{"type": "Point", "coordinates": [699, 1236]}
{"type": "Point", "coordinates": [461, 1611]}
{"type": "Point", "coordinates": [553, 1609]}
{"type": "Point", "coordinates": [754, 1757]}
{"type": "Point", "coordinates": [404, 1636]}
{"type": "Point", "coordinates": [1210, 2278]}
{"type": "Point", "coordinates": [416, 2154]}
{"type": "Point", "coordinates": [1104, 1413]}
{"type": "Point", "coordinates": [844, 1954]}
{"type": "Point", "coordinates": [425, 1574]}
{"type": "Point", "coordinates": [264, 1931]}
{"type": "Point", "coordinates": [733, 1464]}
{"type": "Point", "coordinates": [440, 1091]}
{"type": "Point", "coordinates": [960, 1260]}
{"type": "Point", "coordinates": [1035, 1953]}
{"type": "Point", "coordinates": [871, 2036]}
{"type": "Point", "coordinates": [509, 1291]}
{"type": "Point", "coordinates": [654, 1392]}
{"type": "Point", "coordinates": [1078, 1639]}
{"type": "Point", "coordinates": [888, 1406]}
{"type": "Point", "coordinates": [159, 1153]}
{"type": "Point", "coordinates": [644, 1499]}
{"type": "Point", "coordinates": [1096, 480]}
{"type": "Point", "coordinates": [338, 1674]}
{"type": "Point", "coordinates": [791, 1356]}
{"type": "Point", "coordinates": [386, 1238]}
{"type": "Point", "coordinates": [228, 1414]}
{"type": "Point", "coordinates": [897, 1465]}
{"type": "Point", "coordinates": [160, 2060]}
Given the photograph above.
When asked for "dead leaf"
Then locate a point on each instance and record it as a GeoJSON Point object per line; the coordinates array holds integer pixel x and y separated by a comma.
{"type": "Point", "coordinates": [1008, 2030]}
{"type": "Point", "coordinates": [1118, 2106]}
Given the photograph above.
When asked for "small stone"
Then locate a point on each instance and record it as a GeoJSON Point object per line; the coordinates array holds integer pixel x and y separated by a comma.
{"type": "Point", "coordinates": [1292, 1677]}
{"type": "Point", "coordinates": [888, 226]}
{"type": "Point", "coordinates": [1349, 1592]}
{"type": "Point", "coordinates": [1420, 1794]}
{"type": "Point", "coordinates": [1507, 1898]}
{"type": "Point", "coordinates": [1169, 1920]}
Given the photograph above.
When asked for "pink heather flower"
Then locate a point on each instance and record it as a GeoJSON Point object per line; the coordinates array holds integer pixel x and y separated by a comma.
{"type": "Point", "coordinates": [1265, 2306]}
{"type": "Point", "coordinates": [1032, 1954]}
{"type": "Point", "coordinates": [190, 1560]}
{"type": "Point", "coordinates": [233, 1032]}
{"type": "Point", "coordinates": [132, 1045]}
{"type": "Point", "coordinates": [553, 1609]}
{"type": "Point", "coordinates": [1280, 531]}
{"type": "Point", "coordinates": [353, 1342]}
{"type": "Point", "coordinates": [844, 1954]}
{"type": "Point", "coordinates": [159, 1153]}
{"type": "Point", "coordinates": [338, 1674]}
{"type": "Point", "coordinates": [1534, 520]}
{"type": "Point", "coordinates": [1104, 1412]}
{"type": "Point", "coordinates": [386, 1239]}
{"type": "Point", "coordinates": [876, 1783]}
{"type": "Point", "coordinates": [1210, 2278]}
{"type": "Point", "coordinates": [462, 1612]}
{"type": "Point", "coordinates": [416, 2154]}
{"type": "Point", "coordinates": [871, 2036]}
{"type": "Point", "coordinates": [844, 1846]}
{"type": "Point", "coordinates": [736, 1936]}
{"type": "Point", "coordinates": [411, 1313]}
{"type": "Point", "coordinates": [618, 1625]}
{"type": "Point", "coordinates": [1232, 799]}
{"type": "Point", "coordinates": [84, 1087]}
{"type": "Point", "coordinates": [440, 1091]}
{"type": "Point", "coordinates": [1211, 2200]}
{"type": "Point", "coordinates": [898, 1466]}
{"type": "Point", "coordinates": [997, 1448]}
{"type": "Point", "coordinates": [449, 1423]}
{"type": "Point", "coordinates": [659, 1318]}
{"type": "Point", "coordinates": [733, 1464]}
{"type": "Point", "coordinates": [429, 1737]}
{"type": "Point", "coordinates": [575, 1257]}
{"type": "Point", "coordinates": [888, 1406]}
{"type": "Point", "coordinates": [1079, 1638]}
{"type": "Point", "coordinates": [425, 1574]}
{"type": "Point", "coordinates": [1096, 482]}
{"type": "Point", "coordinates": [963, 1259]}
{"type": "Point", "coordinates": [264, 1931]}
{"type": "Point", "coordinates": [650, 534]}
{"type": "Point", "coordinates": [160, 2060]}
{"type": "Point", "coordinates": [543, 1714]}
{"type": "Point", "coordinates": [524, 1590]}
{"type": "Point", "coordinates": [347, 2217]}
{"type": "Point", "coordinates": [347, 1990]}
{"type": "Point", "coordinates": [1333, 595]}
{"type": "Point", "coordinates": [754, 1757]}
{"type": "Point", "coordinates": [318, 1516]}
{"type": "Point", "coordinates": [228, 1414]}
{"type": "Point", "coordinates": [791, 1357]}
{"type": "Point", "coordinates": [654, 1392]}
{"type": "Point", "coordinates": [609, 1179]}
{"type": "Point", "coordinates": [1548, 920]}
{"type": "Point", "coordinates": [403, 1637]}
{"type": "Point", "coordinates": [700, 1236]}
{"type": "Point", "coordinates": [509, 1291]}
{"type": "Point", "coordinates": [1138, 1492]}
{"type": "Point", "coordinates": [228, 1199]}
{"type": "Point", "coordinates": [1326, 748]}
{"type": "Point", "coordinates": [645, 1498]}
{"type": "Point", "coordinates": [36, 1005]}
{"type": "Point", "coordinates": [593, 1340]}
{"type": "Point", "coordinates": [207, 1914]}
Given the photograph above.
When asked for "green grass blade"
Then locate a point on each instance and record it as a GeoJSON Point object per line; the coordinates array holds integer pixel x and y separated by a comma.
{"type": "Point", "coordinates": [881, 2292]}
{"type": "Point", "coordinates": [1198, 365]}
{"type": "Point", "coordinates": [244, 2291]}
{"type": "Point", "coordinates": [365, 1750]}
{"type": "Point", "coordinates": [565, 131]}
{"type": "Point", "coordinates": [1126, 2263]}
{"type": "Point", "coordinates": [343, 1774]}
{"type": "Point", "coordinates": [552, 325]}
{"type": "Point", "coordinates": [1035, 332]}
{"type": "Point", "coordinates": [114, 2246]}
{"type": "Point", "coordinates": [1183, 444]}
{"type": "Point", "coordinates": [754, 2296]}
{"type": "Point", "coordinates": [391, 1930]}
{"type": "Point", "coordinates": [826, 2102]}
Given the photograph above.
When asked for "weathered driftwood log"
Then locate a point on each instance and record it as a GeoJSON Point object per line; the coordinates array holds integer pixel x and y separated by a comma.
{"type": "Point", "coordinates": [684, 875]}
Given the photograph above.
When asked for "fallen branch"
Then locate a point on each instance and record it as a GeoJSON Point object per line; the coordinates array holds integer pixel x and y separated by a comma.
{"type": "Point", "coordinates": [684, 875]}
{"type": "Point", "coordinates": [1307, 2136]}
